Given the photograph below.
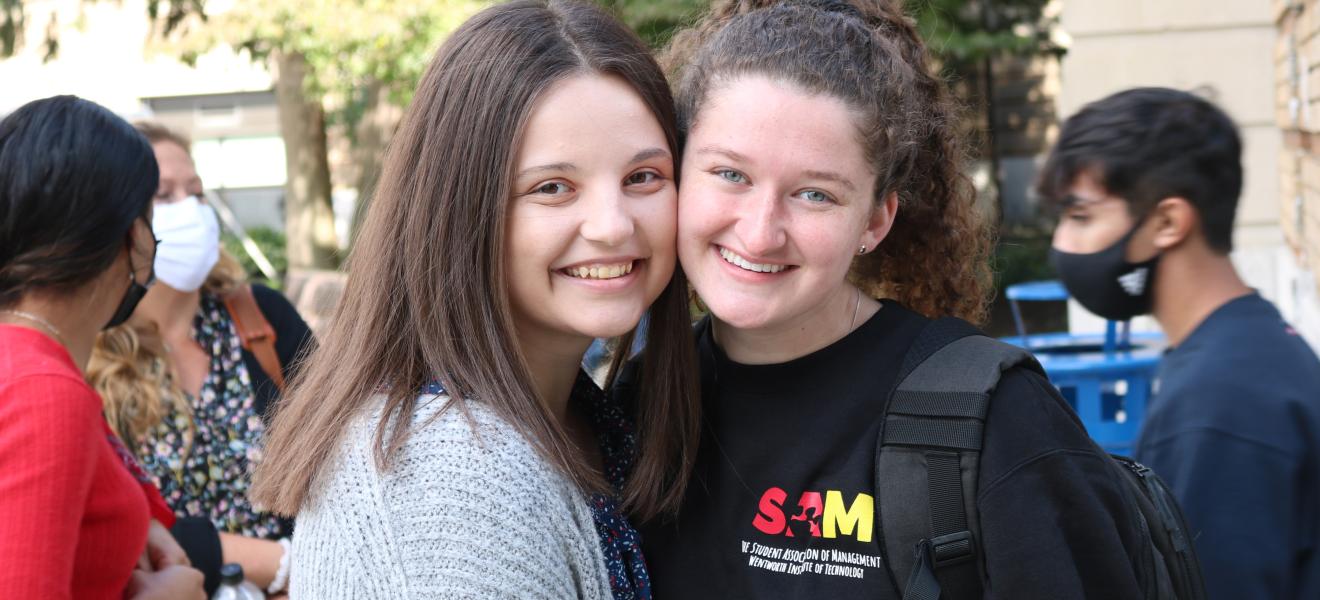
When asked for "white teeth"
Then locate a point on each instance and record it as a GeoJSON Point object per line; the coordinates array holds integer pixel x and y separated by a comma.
{"type": "Point", "coordinates": [733, 259]}
{"type": "Point", "coordinates": [600, 271]}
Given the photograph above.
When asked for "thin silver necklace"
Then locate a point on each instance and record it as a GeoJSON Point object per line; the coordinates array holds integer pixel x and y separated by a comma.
{"type": "Point", "coordinates": [857, 305]}
{"type": "Point", "coordinates": [39, 321]}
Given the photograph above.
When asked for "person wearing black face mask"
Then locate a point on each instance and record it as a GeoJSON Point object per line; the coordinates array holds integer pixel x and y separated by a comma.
{"type": "Point", "coordinates": [76, 253]}
{"type": "Point", "coordinates": [1150, 178]}
{"type": "Point", "coordinates": [1104, 281]}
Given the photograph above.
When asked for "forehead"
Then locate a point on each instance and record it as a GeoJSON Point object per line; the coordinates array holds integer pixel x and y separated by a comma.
{"type": "Point", "coordinates": [1087, 192]}
{"type": "Point", "coordinates": [782, 124]}
{"type": "Point", "coordinates": [588, 114]}
{"type": "Point", "coordinates": [174, 160]}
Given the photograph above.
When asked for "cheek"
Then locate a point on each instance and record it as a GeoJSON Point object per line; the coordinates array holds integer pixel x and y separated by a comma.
{"type": "Point", "coordinates": [697, 215]}
{"type": "Point", "coordinates": [658, 220]}
{"type": "Point", "coordinates": [822, 245]}
{"type": "Point", "coordinates": [529, 247]}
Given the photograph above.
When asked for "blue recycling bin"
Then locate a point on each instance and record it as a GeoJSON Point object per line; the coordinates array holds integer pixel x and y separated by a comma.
{"type": "Point", "coordinates": [1107, 377]}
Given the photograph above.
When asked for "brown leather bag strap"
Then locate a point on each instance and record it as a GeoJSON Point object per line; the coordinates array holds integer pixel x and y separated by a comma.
{"type": "Point", "coordinates": [256, 333]}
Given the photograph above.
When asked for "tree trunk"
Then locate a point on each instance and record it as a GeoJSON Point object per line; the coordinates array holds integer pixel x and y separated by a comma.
{"type": "Point", "coordinates": [309, 220]}
{"type": "Point", "coordinates": [371, 136]}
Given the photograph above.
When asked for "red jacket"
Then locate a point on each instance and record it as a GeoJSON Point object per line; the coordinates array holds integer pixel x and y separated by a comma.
{"type": "Point", "coordinates": [73, 520]}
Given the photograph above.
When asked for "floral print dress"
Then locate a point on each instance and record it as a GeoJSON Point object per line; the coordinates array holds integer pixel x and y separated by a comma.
{"type": "Point", "coordinates": [202, 462]}
{"type": "Point", "coordinates": [619, 540]}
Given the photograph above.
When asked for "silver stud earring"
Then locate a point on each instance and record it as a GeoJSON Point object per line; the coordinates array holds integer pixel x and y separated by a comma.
{"type": "Point", "coordinates": [862, 250]}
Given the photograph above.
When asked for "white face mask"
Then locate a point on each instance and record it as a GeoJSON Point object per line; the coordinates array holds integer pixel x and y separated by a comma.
{"type": "Point", "coordinates": [189, 237]}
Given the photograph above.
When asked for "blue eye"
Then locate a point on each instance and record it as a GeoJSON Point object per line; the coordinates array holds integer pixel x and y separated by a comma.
{"type": "Point", "coordinates": [731, 176]}
{"type": "Point", "coordinates": [814, 196]}
{"type": "Point", "coordinates": [554, 187]}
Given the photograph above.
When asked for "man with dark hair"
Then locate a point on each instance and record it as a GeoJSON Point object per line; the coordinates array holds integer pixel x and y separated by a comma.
{"type": "Point", "coordinates": [1150, 178]}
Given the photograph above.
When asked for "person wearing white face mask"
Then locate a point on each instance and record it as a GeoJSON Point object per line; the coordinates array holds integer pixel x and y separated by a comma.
{"type": "Point", "coordinates": [188, 381]}
{"type": "Point", "coordinates": [190, 233]}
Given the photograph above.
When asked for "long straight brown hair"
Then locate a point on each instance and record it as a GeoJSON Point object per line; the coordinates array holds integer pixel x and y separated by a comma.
{"type": "Point", "coordinates": [426, 295]}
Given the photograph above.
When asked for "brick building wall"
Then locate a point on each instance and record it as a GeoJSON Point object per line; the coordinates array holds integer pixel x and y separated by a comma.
{"type": "Point", "coordinates": [1297, 111]}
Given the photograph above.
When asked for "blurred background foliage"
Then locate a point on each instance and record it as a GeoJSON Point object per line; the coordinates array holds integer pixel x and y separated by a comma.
{"type": "Point", "coordinates": [346, 69]}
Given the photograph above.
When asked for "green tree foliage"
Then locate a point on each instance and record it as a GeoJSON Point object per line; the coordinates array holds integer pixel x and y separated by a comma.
{"type": "Point", "coordinates": [655, 21]}
{"type": "Point", "coordinates": [350, 46]}
{"type": "Point", "coordinates": [962, 33]}
{"type": "Point", "coordinates": [271, 242]}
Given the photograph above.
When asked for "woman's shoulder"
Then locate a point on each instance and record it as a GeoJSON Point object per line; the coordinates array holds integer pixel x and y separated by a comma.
{"type": "Point", "coordinates": [40, 374]}
{"type": "Point", "coordinates": [464, 487]}
{"type": "Point", "coordinates": [452, 447]}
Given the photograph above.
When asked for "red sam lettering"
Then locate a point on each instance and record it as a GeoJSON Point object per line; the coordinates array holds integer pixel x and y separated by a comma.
{"type": "Point", "coordinates": [769, 517]}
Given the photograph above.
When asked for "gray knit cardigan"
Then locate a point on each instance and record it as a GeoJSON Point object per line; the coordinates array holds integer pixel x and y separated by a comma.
{"type": "Point", "coordinates": [462, 512]}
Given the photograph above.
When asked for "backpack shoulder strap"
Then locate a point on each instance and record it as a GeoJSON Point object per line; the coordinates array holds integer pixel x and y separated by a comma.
{"type": "Point", "coordinates": [928, 454]}
{"type": "Point", "coordinates": [255, 331]}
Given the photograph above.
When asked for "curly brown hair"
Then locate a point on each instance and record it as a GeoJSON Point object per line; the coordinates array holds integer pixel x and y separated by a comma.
{"type": "Point", "coordinates": [935, 259]}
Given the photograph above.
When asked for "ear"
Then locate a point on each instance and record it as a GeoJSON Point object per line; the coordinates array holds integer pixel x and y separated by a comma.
{"type": "Point", "coordinates": [881, 220]}
{"type": "Point", "coordinates": [1175, 221]}
{"type": "Point", "coordinates": [141, 245]}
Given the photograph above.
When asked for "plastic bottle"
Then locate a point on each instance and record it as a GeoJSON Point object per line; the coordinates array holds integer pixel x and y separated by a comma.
{"type": "Point", "coordinates": [234, 587]}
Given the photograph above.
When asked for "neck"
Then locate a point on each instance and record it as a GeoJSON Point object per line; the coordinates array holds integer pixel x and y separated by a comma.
{"type": "Point", "coordinates": [554, 363]}
{"type": "Point", "coordinates": [838, 316]}
{"type": "Point", "coordinates": [1189, 288]}
{"type": "Point", "coordinates": [75, 325]}
{"type": "Point", "coordinates": [170, 309]}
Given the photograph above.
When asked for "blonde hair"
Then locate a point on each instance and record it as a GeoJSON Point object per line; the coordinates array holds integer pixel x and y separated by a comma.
{"type": "Point", "coordinates": [131, 370]}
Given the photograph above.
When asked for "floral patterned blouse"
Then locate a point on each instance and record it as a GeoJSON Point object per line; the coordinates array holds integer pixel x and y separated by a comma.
{"type": "Point", "coordinates": [620, 542]}
{"type": "Point", "coordinates": [203, 470]}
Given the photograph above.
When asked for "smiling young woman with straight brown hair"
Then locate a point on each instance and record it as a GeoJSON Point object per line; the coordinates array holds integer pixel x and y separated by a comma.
{"type": "Point", "coordinates": [443, 441]}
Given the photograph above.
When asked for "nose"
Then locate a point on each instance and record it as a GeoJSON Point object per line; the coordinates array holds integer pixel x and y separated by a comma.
{"type": "Point", "coordinates": [760, 227]}
{"type": "Point", "coordinates": [608, 220]}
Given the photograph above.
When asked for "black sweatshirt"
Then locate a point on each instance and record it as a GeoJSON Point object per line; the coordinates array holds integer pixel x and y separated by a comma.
{"type": "Point", "coordinates": [788, 450]}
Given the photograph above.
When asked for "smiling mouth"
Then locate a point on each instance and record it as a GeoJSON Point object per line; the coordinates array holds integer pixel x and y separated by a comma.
{"type": "Point", "coordinates": [734, 259]}
{"type": "Point", "coordinates": [600, 271]}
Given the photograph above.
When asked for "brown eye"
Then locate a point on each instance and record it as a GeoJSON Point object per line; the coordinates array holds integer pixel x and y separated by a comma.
{"type": "Point", "coordinates": [642, 178]}
{"type": "Point", "coordinates": [552, 188]}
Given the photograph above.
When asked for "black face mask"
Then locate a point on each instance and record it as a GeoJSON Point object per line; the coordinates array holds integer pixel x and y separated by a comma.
{"type": "Point", "coordinates": [1105, 282]}
{"type": "Point", "coordinates": [133, 294]}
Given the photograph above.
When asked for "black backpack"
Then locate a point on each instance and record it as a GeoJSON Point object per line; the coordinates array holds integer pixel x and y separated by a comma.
{"type": "Point", "coordinates": [931, 440]}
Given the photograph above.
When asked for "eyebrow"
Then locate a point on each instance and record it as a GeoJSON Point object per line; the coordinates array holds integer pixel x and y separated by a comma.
{"type": "Point", "coordinates": [642, 155]}
{"type": "Point", "coordinates": [722, 151]}
{"type": "Point", "coordinates": [814, 174]}
{"type": "Point", "coordinates": [1072, 201]}
{"type": "Point", "coordinates": [831, 176]}
{"type": "Point", "coordinates": [559, 166]}
{"type": "Point", "coordinates": [648, 154]}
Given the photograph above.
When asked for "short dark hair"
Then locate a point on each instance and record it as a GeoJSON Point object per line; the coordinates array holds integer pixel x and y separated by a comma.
{"type": "Point", "coordinates": [73, 178]}
{"type": "Point", "coordinates": [1147, 144]}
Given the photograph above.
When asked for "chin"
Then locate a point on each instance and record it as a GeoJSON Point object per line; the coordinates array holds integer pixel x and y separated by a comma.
{"type": "Point", "coordinates": [742, 315]}
{"type": "Point", "coordinates": [602, 324]}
